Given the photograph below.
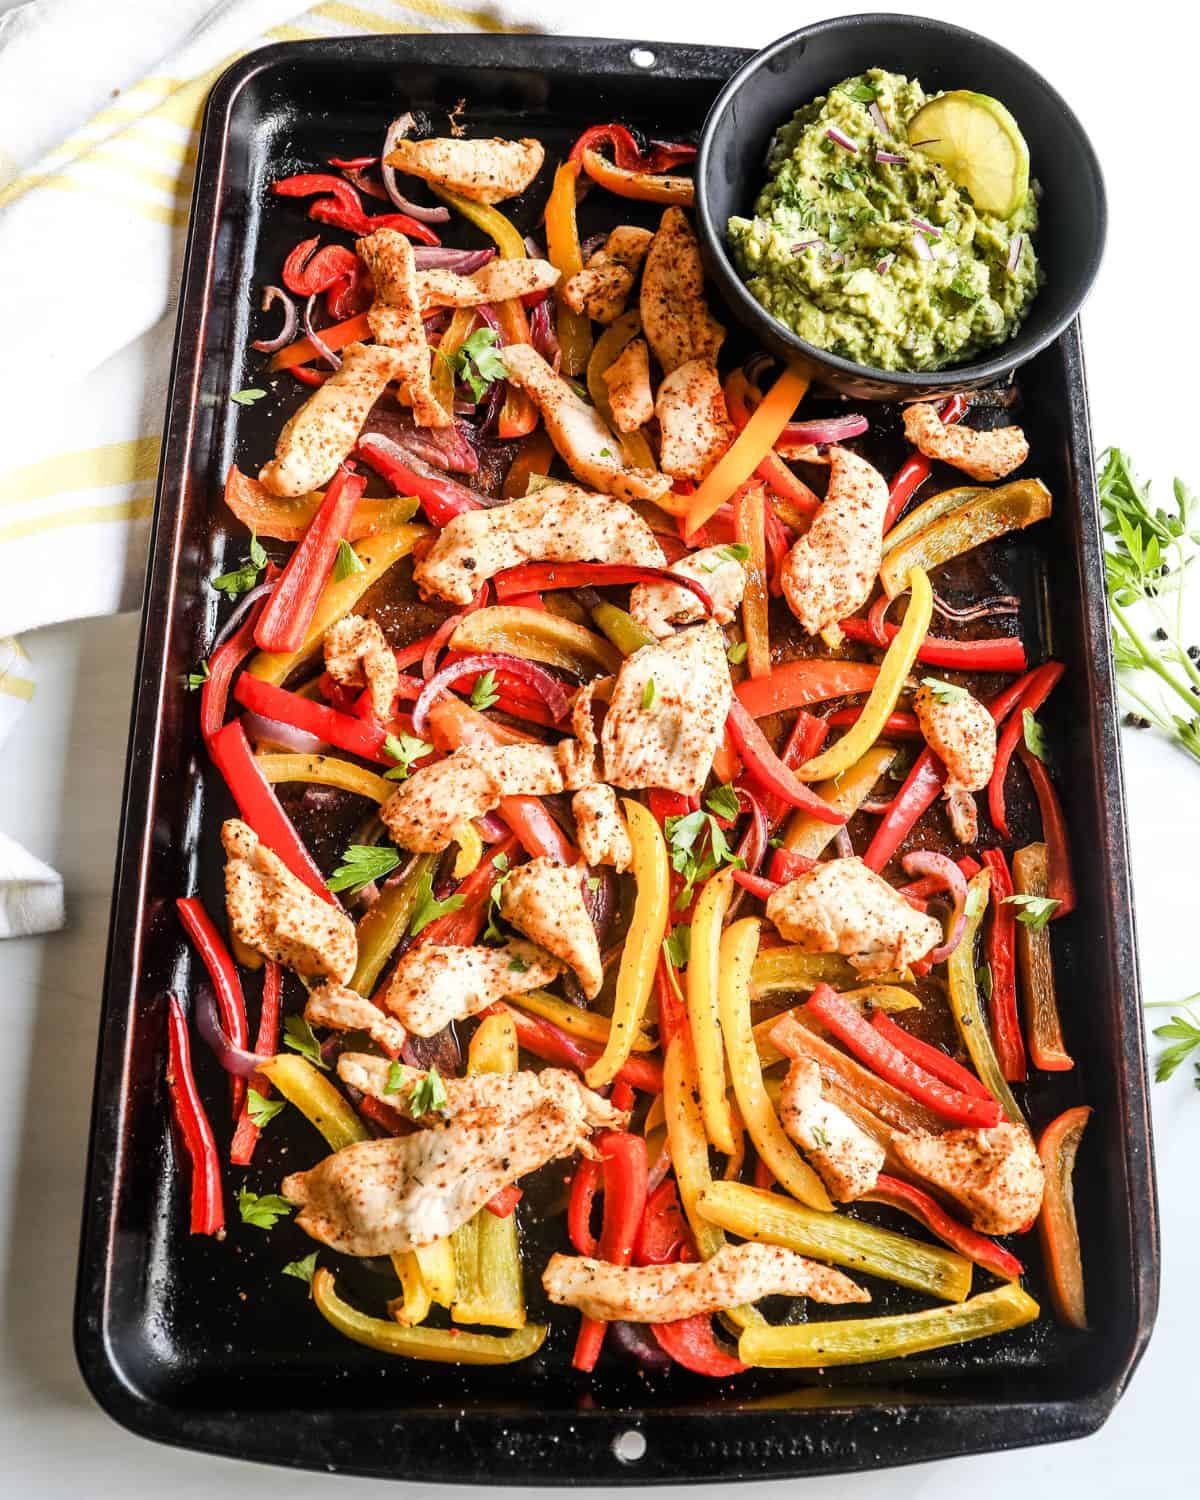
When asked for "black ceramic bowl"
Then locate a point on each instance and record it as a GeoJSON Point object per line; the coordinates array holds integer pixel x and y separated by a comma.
{"type": "Point", "coordinates": [763, 94]}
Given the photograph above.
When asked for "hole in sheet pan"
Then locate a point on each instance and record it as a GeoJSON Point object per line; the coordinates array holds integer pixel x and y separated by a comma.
{"type": "Point", "coordinates": [630, 1447]}
{"type": "Point", "coordinates": [642, 57]}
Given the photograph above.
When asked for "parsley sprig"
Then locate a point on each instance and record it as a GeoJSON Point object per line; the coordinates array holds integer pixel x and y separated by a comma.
{"type": "Point", "coordinates": [1182, 1031]}
{"type": "Point", "coordinates": [264, 1210]}
{"type": "Point", "coordinates": [361, 864]}
{"type": "Point", "coordinates": [477, 362]}
{"type": "Point", "coordinates": [404, 749]}
{"type": "Point", "coordinates": [428, 1095]}
{"type": "Point", "coordinates": [698, 845]}
{"type": "Point", "coordinates": [1033, 911]}
{"type": "Point", "coordinates": [242, 579]}
{"type": "Point", "coordinates": [426, 908]}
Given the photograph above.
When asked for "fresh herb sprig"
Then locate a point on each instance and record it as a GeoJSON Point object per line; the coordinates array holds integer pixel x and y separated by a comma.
{"type": "Point", "coordinates": [1182, 1031]}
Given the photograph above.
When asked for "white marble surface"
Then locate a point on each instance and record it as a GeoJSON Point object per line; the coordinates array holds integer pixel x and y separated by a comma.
{"type": "Point", "coordinates": [60, 790]}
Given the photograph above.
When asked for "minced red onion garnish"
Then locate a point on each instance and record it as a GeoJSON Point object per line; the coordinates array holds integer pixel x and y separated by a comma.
{"type": "Point", "coordinates": [889, 156]}
{"type": "Point", "coordinates": [805, 245]}
{"type": "Point", "coordinates": [1014, 251]}
{"type": "Point", "coordinates": [925, 227]}
{"type": "Point", "coordinates": [841, 139]}
{"type": "Point", "coordinates": [885, 265]}
{"type": "Point", "coordinates": [921, 245]}
{"type": "Point", "coordinates": [879, 117]}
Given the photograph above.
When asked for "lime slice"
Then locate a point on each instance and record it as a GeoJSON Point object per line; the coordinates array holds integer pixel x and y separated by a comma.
{"type": "Point", "coordinates": [980, 145]}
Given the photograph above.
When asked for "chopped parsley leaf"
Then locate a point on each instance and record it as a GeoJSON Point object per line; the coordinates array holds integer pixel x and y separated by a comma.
{"type": "Point", "coordinates": [485, 692]}
{"type": "Point", "coordinates": [302, 1270]}
{"type": "Point", "coordinates": [428, 1095]}
{"type": "Point", "coordinates": [404, 750]}
{"type": "Point", "coordinates": [361, 864]}
{"type": "Point", "coordinates": [262, 1110]}
{"type": "Point", "coordinates": [298, 1035]}
{"type": "Point", "coordinates": [346, 562]}
{"type": "Point", "coordinates": [1035, 735]}
{"type": "Point", "coordinates": [427, 907]}
{"type": "Point", "coordinates": [248, 397]}
{"type": "Point", "coordinates": [1035, 911]}
{"type": "Point", "coordinates": [723, 801]}
{"type": "Point", "coordinates": [264, 1211]}
{"type": "Point", "coordinates": [649, 693]}
{"type": "Point", "coordinates": [944, 692]}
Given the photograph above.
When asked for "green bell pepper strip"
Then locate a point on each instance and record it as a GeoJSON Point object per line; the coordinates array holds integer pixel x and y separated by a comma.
{"type": "Point", "coordinates": [964, 1001]}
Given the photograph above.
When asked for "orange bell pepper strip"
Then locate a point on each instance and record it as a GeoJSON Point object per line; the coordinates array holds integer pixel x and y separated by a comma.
{"type": "Point", "coordinates": [351, 331]}
{"type": "Point", "coordinates": [749, 448]}
{"type": "Point", "coordinates": [772, 471]}
{"type": "Point", "coordinates": [535, 456]}
{"type": "Point", "coordinates": [750, 524]}
{"type": "Point", "coordinates": [644, 186]}
{"type": "Point", "coordinates": [287, 520]}
{"type": "Point", "coordinates": [562, 247]}
{"type": "Point", "coordinates": [799, 684]}
{"type": "Point", "coordinates": [1057, 1229]}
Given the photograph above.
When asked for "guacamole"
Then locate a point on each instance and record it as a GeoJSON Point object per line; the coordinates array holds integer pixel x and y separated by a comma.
{"type": "Point", "coordinates": [833, 250]}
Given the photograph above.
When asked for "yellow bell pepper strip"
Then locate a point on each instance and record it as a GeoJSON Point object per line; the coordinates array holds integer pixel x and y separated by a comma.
{"type": "Point", "coordinates": [536, 635]}
{"type": "Point", "coordinates": [749, 448]}
{"type": "Point", "coordinates": [857, 1341]}
{"type": "Point", "coordinates": [790, 968]}
{"type": "Point", "coordinates": [847, 792]}
{"type": "Point", "coordinates": [893, 673]}
{"type": "Point", "coordinates": [991, 513]}
{"type": "Point", "coordinates": [288, 519]}
{"type": "Point", "coordinates": [738, 948]}
{"type": "Point", "coordinates": [838, 1239]}
{"type": "Point", "coordinates": [439, 1270]}
{"type": "Point", "coordinates": [413, 1307]}
{"type": "Point", "coordinates": [750, 528]}
{"type": "Point", "coordinates": [639, 956]}
{"type": "Point", "coordinates": [448, 1346]}
{"type": "Point", "coordinates": [562, 248]}
{"type": "Point", "coordinates": [1057, 1229]}
{"type": "Point", "coordinates": [470, 849]}
{"type": "Point", "coordinates": [646, 187]}
{"type": "Point", "coordinates": [325, 770]}
{"type": "Point", "coordinates": [316, 1098]}
{"type": "Point", "coordinates": [927, 512]}
{"type": "Point", "coordinates": [888, 998]}
{"type": "Point", "coordinates": [1043, 1025]}
{"type": "Point", "coordinates": [382, 925]}
{"type": "Point", "coordinates": [964, 1001]}
{"type": "Point", "coordinates": [534, 456]}
{"type": "Point", "coordinates": [486, 1252]}
{"type": "Point", "coordinates": [377, 554]}
{"type": "Point", "coordinates": [441, 378]}
{"type": "Point", "coordinates": [635, 450]}
{"type": "Point", "coordinates": [584, 1025]}
{"type": "Point", "coordinates": [708, 919]}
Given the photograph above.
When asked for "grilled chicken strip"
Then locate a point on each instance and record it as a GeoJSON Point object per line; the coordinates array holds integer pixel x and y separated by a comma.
{"type": "Point", "coordinates": [675, 315]}
{"type": "Point", "coordinates": [603, 837]}
{"type": "Point", "coordinates": [628, 382]}
{"type": "Point", "coordinates": [995, 1174]}
{"type": "Point", "coordinates": [980, 455]}
{"type": "Point", "coordinates": [601, 289]}
{"type": "Point", "coordinates": [577, 756]}
{"type": "Point", "coordinates": [844, 907]}
{"type": "Point", "coordinates": [831, 570]}
{"type": "Point", "coordinates": [847, 1160]}
{"type": "Point", "coordinates": [497, 281]}
{"type": "Point", "coordinates": [381, 1197]}
{"type": "Point", "coordinates": [544, 900]}
{"type": "Point", "coordinates": [342, 1009]}
{"type": "Point", "coordinates": [667, 713]}
{"type": "Point", "coordinates": [357, 652]}
{"type": "Point", "coordinates": [962, 734]}
{"type": "Point", "coordinates": [484, 171]}
{"type": "Point", "coordinates": [395, 319]}
{"type": "Point", "coordinates": [277, 915]}
{"type": "Point", "coordinates": [560, 523]}
{"type": "Point", "coordinates": [578, 432]}
{"type": "Point", "coordinates": [432, 985]}
{"type": "Point", "coordinates": [659, 606]}
{"type": "Point", "coordinates": [321, 434]}
{"type": "Point", "coordinates": [423, 812]}
{"type": "Point", "coordinates": [736, 1274]}
{"type": "Point", "coordinates": [692, 420]}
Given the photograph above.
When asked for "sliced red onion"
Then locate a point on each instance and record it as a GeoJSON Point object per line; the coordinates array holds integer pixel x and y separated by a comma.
{"type": "Point", "coordinates": [275, 732]}
{"type": "Point", "coordinates": [942, 868]}
{"type": "Point", "coordinates": [446, 448]}
{"type": "Point", "coordinates": [825, 430]}
{"type": "Point", "coordinates": [1002, 604]}
{"type": "Point", "coordinates": [543, 335]}
{"type": "Point", "coordinates": [445, 258]}
{"type": "Point", "coordinates": [889, 157]}
{"type": "Point", "coordinates": [235, 1060]}
{"type": "Point", "coordinates": [533, 249]}
{"type": "Point", "coordinates": [315, 339]}
{"type": "Point", "coordinates": [757, 366]}
{"type": "Point", "coordinates": [590, 246]}
{"type": "Point", "coordinates": [836, 258]}
{"type": "Point", "coordinates": [925, 227]}
{"type": "Point", "coordinates": [358, 176]}
{"type": "Point", "coordinates": [662, 1164]}
{"type": "Point", "coordinates": [440, 1051]}
{"type": "Point", "coordinates": [752, 848]}
{"type": "Point", "coordinates": [291, 316]}
{"type": "Point", "coordinates": [491, 828]}
{"type": "Point", "coordinates": [1014, 251]}
{"type": "Point", "coordinates": [876, 112]}
{"type": "Point", "coordinates": [841, 842]}
{"type": "Point", "coordinates": [548, 688]}
{"type": "Point", "coordinates": [243, 607]}
{"type": "Point", "coordinates": [320, 799]}
{"type": "Point", "coordinates": [601, 902]}
{"type": "Point", "coordinates": [875, 808]}
{"type": "Point", "coordinates": [883, 266]}
{"type": "Point", "coordinates": [840, 138]}
{"type": "Point", "coordinates": [921, 245]}
{"type": "Point", "coordinates": [636, 1341]}
{"type": "Point", "coordinates": [397, 131]}
{"type": "Point", "coordinates": [805, 245]}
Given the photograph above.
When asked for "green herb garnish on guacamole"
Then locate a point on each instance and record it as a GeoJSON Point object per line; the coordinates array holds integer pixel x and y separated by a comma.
{"type": "Point", "coordinates": [833, 250]}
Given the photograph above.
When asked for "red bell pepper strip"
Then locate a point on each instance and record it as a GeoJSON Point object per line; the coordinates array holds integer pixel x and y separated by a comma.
{"type": "Point", "coordinates": [347, 732]}
{"type": "Point", "coordinates": [916, 469]}
{"type": "Point", "coordinates": [1001, 653]}
{"type": "Point", "coordinates": [799, 684]}
{"type": "Point", "coordinates": [805, 739]}
{"type": "Point", "coordinates": [224, 662]}
{"type": "Point", "coordinates": [208, 1210]}
{"type": "Point", "coordinates": [553, 1045]}
{"type": "Point", "coordinates": [305, 376]}
{"type": "Point", "coordinates": [624, 1157]}
{"type": "Point", "coordinates": [757, 885]}
{"type": "Point", "coordinates": [664, 804]}
{"type": "Point", "coordinates": [441, 499]}
{"type": "Point", "coordinates": [543, 576]}
{"type": "Point", "coordinates": [376, 1112]}
{"type": "Point", "coordinates": [266, 1044]}
{"type": "Point", "coordinates": [690, 1342]}
{"type": "Point", "coordinates": [293, 602]}
{"type": "Point", "coordinates": [1058, 1231]}
{"type": "Point", "coordinates": [899, 725]}
{"type": "Point", "coordinates": [261, 808]}
{"type": "Point", "coordinates": [922, 787]}
{"type": "Point", "coordinates": [308, 270]}
{"type": "Point", "coordinates": [343, 207]}
{"type": "Point", "coordinates": [786, 865]}
{"type": "Point", "coordinates": [336, 337]}
{"type": "Point", "coordinates": [919, 1205]}
{"type": "Point", "coordinates": [1007, 1039]}
{"type": "Point", "coordinates": [1060, 882]}
{"type": "Point", "coordinates": [504, 1203]}
{"type": "Point", "coordinates": [584, 1187]}
{"type": "Point", "coordinates": [932, 1059]}
{"type": "Point", "coordinates": [857, 1034]}
{"type": "Point", "coordinates": [664, 1232]}
{"type": "Point", "coordinates": [231, 1002]}
{"type": "Point", "coordinates": [672, 1008]}
{"type": "Point", "coordinates": [461, 927]}
{"type": "Point", "coordinates": [1041, 684]}
{"type": "Point", "coordinates": [768, 772]}
{"type": "Point", "coordinates": [627, 153]}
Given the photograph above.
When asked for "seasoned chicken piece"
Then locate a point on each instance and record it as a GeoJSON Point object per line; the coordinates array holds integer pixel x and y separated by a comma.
{"type": "Point", "coordinates": [603, 837]}
{"type": "Point", "coordinates": [736, 1274]}
{"type": "Point", "coordinates": [659, 606]}
{"type": "Point", "coordinates": [342, 1009]}
{"type": "Point", "coordinates": [628, 382]}
{"type": "Point", "coordinates": [675, 315]}
{"type": "Point", "coordinates": [380, 1197]}
{"type": "Point", "coordinates": [432, 986]}
{"type": "Point", "coordinates": [276, 914]}
{"type": "Point", "coordinates": [601, 289]}
{"type": "Point", "coordinates": [962, 734]}
{"type": "Point", "coordinates": [544, 900]}
{"type": "Point", "coordinates": [357, 652]}
{"type": "Point", "coordinates": [318, 437]}
{"type": "Point", "coordinates": [980, 455]}
{"type": "Point", "coordinates": [692, 419]}
{"type": "Point", "coordinates": [995, 1174]}
{"type": "Point", "coordinates": [560, 523]}
{"type": "Point", "coordinates": [846, 1158]}
{"type": "Point", "coordinates": [844, 907]}
{"type": "Point", "coordinates": [578, 432]}
{"type": "Point", "coordinates": [831, 570]}
{"type": "Point", "coordinates": [496, 281]}
{"type": "Point", "coordinates": [484, 171]}
{"type": "Point", "coordinates": [577, 756]}
{"type": "Point", "coordinates": [423, 812]}
{"type": "Point", "coordinates": [667, 714]}
{"type": "Point", "coordinates": [395, 319]}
